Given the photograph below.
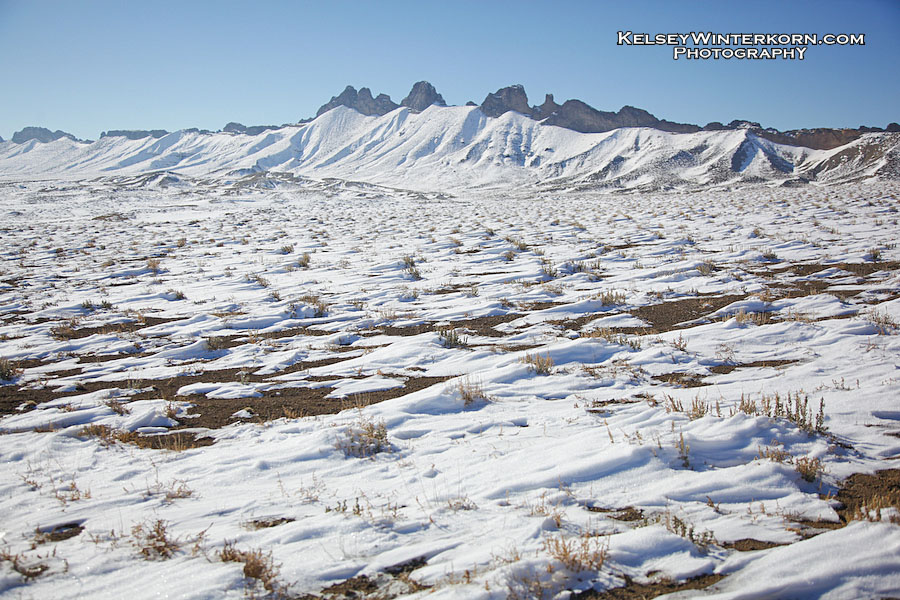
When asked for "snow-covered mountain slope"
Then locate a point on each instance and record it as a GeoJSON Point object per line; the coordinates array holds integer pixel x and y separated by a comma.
{"type": "Point", "coordinates": [453, 147]}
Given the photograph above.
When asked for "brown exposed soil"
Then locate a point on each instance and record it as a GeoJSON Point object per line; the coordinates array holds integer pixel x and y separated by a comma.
{"type": "Point", "coordinates": [683, 380]}
{"type": "Point", "coordinates": [629, 513]}
{"type": "Point", "coordinates": [857, 495]}
{"type": "Point", "coordinates": [749, 545]}
{"type": "Point", "coordinates": [860, 269]}
{"type": "Point", "coordinates": [666, 316]}
{"type": "Point", "coordinates": [479, 326]}
{"type": "Point", "coordinates": [57, 533]}
{"type": "Point", "coordinates": [127, 327]}
{"type": "Point", "coordinates": [862, 490]}
{"type": "Point", "coordinates": [265, 523]}
{"type": "Point", "coordinates": [726, 369]}
{"type": "Point", "coordinates": [641, 591]}
{"type": "Point", "coordinates": [291, 403]}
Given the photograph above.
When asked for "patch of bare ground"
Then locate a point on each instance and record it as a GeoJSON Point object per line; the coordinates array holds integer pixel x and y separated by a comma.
{"type": "Point", "coordinates": [600, 406]}
{"type": "Point", "coordinates": [57, 533]}
{"type": "Point", "coordinates": [861, 496]}
{"type": "Point", "coordinates": [11, 398]}
{"type": "Point", "coordinates": [73, 333]}
{"type": "Point", "coordinates": [662, 317]}
{"type": "Point", "coordinates": [479, 326]}
{"type": "Point", "coordinates": [683, 380]}
{"type": "Point", "coordinates": [668, 315]}
{"type": "Point", "coordinates": [726, 369]}
{"type": "Point", "coordinates": [860, 269]}
{"type": "Point", "coordinates": [292, 403]}
{"type": "Point", "coordinates": [393, 582]}
{"type": "Point", "coordinates": [267, 522]}
{"type": "Point", "coordinates": [177, 440]}
{"type": "Point", "coordinates": [629, 513]}
{"type": "Point", "coordinates": [641, 591]}
{"type": "Point", "coordinates": [749, 545]}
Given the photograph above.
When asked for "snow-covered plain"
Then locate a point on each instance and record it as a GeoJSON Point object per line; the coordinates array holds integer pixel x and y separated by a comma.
{"type": "Point", "coordinates": [594, 360]}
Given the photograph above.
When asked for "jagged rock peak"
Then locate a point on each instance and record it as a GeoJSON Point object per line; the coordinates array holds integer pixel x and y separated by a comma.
{"type": "Point", "coordinates": [361, 101]}
{"type": "Point", "coordinates": [40, 134]}
{"type": "Point", "coordinates": [505, 100]}
{"type": "Point", "coordinates": [134, 134]}
{"type": "Point", "coordinates": [421, 96]}
{"type": "Point", "coordinates": [546, 109]}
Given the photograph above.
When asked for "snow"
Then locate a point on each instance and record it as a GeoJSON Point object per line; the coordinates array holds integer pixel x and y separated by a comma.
{"type": "Point", "coordinates": [444, 148]}
{"type": "Point", "coordinates": [478, 488]}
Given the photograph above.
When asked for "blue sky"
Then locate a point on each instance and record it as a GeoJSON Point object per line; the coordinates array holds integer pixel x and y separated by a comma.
{"type": "Point", "coordinates": [89, 66]}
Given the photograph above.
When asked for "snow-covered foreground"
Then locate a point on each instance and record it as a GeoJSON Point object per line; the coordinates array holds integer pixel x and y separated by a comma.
{"type": "Point", "coordinates": [571, 392]}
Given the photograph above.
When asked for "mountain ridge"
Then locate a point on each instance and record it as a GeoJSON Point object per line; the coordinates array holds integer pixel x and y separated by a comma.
{"type": "Point", "coordinates": [443, 148]}
{"type": "Point", "coordinates": [572, 114]}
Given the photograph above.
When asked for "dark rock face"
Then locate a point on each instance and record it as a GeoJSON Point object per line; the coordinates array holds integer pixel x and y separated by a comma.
{"type": "Point", "coordinates": [578, 116]}
{"type": "Point", "coordinates": [134, 134]}
{"type": "Point", "coordinates": [546, 109]}
{"type": "Point", "coordinates": [421, 96]}
{"type": "Point", "coordinates": [361, 101]}
{"type": "Point", "coordinates": [40, 134]}
{"type": "Point", "coordinates": [741, 124]}
{"type": "Point", "coordinates": [818, 139]}
{"type": "Point", "coordinates": [893, 128]}
{"type": "Point", "coordinates": [505, 100]}
{"type": "Point", "coordinates": [252, 130]}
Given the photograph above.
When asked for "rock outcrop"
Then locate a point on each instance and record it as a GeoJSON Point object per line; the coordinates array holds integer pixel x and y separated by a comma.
{"type": "Point", "coordinates": [361, 101]}
{"type": "Point", "coordinates": [135, 134]}
{"type": "Point", "coordinates": [40, 134]}
{"type": "Point", "coordinates": [505, 100]}
{"type": "Point", "coordinates": [421, 96]}
{"type": "Point", "coordinates": [234, 127]}
{"type": "Point", "coordinates": [575, 114]}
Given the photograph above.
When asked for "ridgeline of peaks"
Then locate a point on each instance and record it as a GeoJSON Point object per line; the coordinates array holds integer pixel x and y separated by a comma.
{"type": "Point", "coordinates": [579, 116]}
{"type": "Point", "coordinates": [421, 144]}
{"type": "Point", "coordinates": [571, 114]}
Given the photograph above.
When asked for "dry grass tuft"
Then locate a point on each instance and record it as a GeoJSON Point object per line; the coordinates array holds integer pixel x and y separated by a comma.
{"type": "Point", "coordinates": [258, 565]}
{"type": "Point", "coordinates": [8, 370]}
{"type": "Point", "coordinates": [542, 365]}
{"type": "Point", "coordinates": [365, 438]}
{"type": "Point", "coordinates": [577, 554]}
{"type": "Point", "coordinates": [29, 569]}
{"type": "Point", "coordinates": [153, 541]}
{"type": "Point", "coordinates": [810, 469]}
{"type": "Point", "coordinates": [451, 338]}
{"type": "Point", "coordinates": [471, 391]}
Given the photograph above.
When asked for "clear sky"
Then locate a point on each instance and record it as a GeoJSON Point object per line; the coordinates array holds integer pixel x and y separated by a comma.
{"type": "Point", "coordinates": [91, 65]}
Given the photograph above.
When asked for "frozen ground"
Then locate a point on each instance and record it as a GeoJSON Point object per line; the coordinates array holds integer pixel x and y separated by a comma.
{"type": "Point", "coordinates": [331, 388]}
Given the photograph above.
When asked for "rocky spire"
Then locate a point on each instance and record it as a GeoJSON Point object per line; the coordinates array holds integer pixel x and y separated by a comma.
{"type": "Point", "coordinates": [421, 96]}
{"type": "Point", "coordinates": [361, 101]}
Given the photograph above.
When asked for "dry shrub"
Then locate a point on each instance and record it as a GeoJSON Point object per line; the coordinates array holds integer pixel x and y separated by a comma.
{"type": "Point", "coordinates": [450, 338]}
{"type": "Point", "coordinates": [364, 438]}
{"type": "Point", "coordinates": [29, 569]}
{"type": "Point", "coordinates": [542, 365]}
{"type": "Point", "coordinates": [577, 554]}
{"type": "Point", "coordinates": [153, 541]}
{"type": "Point", "coordinates": [8, 370]}
{"type": "Point", "coordinates": [471, 391]}
{"type": "Point", "coordinates": [810, 469]}
{"type": "Point", "coordinates": [257, 565]}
